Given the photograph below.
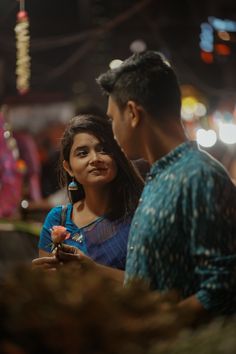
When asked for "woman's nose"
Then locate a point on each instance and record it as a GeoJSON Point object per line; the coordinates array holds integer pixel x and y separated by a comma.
{"type": "Point", "coordinates": [95, 157]}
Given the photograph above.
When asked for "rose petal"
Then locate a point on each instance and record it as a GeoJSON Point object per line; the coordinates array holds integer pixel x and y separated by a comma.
{"type": "Point", "coordinates": [59, 234]}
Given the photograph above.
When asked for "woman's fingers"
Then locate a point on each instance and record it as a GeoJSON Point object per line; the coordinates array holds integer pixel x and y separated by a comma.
{"type": "Point", "coordinates": [45, 263]}
{"type": "Point", "coordinates": [64, 254]}
{"type": "Point", "coordinates": [80, 258]}
{"type": "Point", "coordinates": [42, 260]}
{"type": "Point", "coordinates": [68, 249]}
{"type": "Point", "coordinates": [67, 257]}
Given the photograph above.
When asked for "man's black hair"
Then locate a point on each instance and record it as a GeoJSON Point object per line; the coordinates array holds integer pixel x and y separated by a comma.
{"type": "Point", "coordinates": [146, 78]}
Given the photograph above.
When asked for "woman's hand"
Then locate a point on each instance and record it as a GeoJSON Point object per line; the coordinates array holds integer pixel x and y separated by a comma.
{"type": "Point", "coordinates": [46, 263]}
{"type": "Point", "coordinates": [66, 254]}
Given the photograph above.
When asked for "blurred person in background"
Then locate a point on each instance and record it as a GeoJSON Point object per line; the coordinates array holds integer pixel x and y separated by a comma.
{"type": "Point", "coordinates": [226, 154]}
{"type": "Point", "coordinates": [10, 175]}
{"type": "Point", "coordinates": [232, 170]}
{"type": "Point", "coordinates": [229, 161]}
{"type": "Point", "coordinates": [48, 142]}
{"type": "Point", "coordinates": [29, 154]}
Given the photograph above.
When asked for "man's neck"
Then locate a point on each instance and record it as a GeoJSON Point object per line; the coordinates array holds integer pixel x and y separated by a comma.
{"type": "Point", "coordinates": [159, 141]}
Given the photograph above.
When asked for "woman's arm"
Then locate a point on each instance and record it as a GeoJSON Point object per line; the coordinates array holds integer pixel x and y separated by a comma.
{"type": "Point", "coordinates": [113, 273]}
{"type": "Point", "coordinates": [68, 254]}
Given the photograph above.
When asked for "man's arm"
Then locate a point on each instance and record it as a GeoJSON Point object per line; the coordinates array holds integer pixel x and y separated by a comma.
{"type": "Point", "coordinates": [212, 231]}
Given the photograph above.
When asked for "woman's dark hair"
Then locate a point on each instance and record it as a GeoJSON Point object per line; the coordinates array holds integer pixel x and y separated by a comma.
{"type": "Point", "coordinates": [127, 185]}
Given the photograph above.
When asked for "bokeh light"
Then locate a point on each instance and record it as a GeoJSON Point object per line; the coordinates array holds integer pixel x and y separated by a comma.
{"type": "Point", "coordinates": [192, 108]}
{"type": "Point", "coordinates": [200, 110]}
{"type": "Point", "coordinates": [227, 133]}
{"type": "Point", "coordinates": [138, 46]}
{"type": "Point", "coordinates": [206, 138]}
{"type": "Point", "coordinates": [223, 35]}
{"type": "Point", "coordinates": [115, 63]}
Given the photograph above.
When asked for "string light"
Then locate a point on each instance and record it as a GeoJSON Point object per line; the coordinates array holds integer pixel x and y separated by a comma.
{"type": "Point", "coordinates": [22, 50]}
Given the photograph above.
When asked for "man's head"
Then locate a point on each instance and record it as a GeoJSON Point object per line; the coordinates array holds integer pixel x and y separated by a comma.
{"type": "Point", "coordinates": [143, 85]}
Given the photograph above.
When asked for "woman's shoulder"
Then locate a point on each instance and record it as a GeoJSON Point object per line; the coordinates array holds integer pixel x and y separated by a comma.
{"type": "Point", "coordinates": [56, 212]}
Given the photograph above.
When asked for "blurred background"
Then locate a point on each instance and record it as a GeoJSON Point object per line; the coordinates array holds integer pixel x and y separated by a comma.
{"type": "Point", "coordinates": [72, 42]}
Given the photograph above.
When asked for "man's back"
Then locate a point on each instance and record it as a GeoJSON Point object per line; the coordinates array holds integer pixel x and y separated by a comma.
{"type": "Point", "coordinates": [185, 227]}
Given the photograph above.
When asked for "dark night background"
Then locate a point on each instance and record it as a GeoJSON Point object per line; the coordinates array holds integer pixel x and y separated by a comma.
{"type": "Point", "coordinates": [68, 51]}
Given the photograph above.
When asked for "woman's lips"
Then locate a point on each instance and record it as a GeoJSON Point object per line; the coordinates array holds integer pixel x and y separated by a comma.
{"type": "Point", "coordinates": [98, 170]}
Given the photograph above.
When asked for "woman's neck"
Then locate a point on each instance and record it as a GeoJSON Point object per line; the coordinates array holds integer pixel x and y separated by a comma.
{"type": "Point", "coordinates": [97, 201]}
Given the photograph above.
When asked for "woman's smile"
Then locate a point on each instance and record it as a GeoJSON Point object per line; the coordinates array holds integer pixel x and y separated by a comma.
{"type": "Point", "coordinates": [98, 170]}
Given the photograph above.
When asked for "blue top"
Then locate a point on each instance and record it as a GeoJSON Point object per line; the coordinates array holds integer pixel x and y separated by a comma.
{"type": "Point", "coordinates": [103, 240]}
{"type": "Point", "coordinates": [183, 234]}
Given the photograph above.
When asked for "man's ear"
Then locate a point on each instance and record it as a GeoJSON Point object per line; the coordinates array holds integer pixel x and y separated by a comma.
{"type": "Point", "coordinates": [134, 112]}
{"type": "Point", "coordinates": [66, 167]}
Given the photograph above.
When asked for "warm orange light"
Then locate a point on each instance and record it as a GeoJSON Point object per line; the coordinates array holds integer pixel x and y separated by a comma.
{"type": "Point", "coordinates": [222, 49]}
{"type": "Point", "coordinates": [225, 36]}
{"type": "Point", "coordinates": [207, 57]}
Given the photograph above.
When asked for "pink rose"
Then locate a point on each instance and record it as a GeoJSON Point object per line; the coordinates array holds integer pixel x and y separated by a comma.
{"type": "Point", "coordinates": [59, 234]}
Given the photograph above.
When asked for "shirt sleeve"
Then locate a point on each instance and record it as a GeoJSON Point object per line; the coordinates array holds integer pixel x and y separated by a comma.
{"type": "Point", "coordinates": [211, 219]}
{"type": "Point", "coordinates": [53, 218]}
{"type": "Point", "coordinates": [140, 262]}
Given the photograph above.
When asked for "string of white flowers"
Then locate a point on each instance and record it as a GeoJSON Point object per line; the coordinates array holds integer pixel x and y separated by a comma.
{"type": "Point", "coordinates": [22, 50]}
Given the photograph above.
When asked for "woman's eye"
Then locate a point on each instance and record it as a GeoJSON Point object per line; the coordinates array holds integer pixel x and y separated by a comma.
{"type": "Point", "coordinates": [103, 150]}
{"type": "Point", "coordinates": [82, 153]}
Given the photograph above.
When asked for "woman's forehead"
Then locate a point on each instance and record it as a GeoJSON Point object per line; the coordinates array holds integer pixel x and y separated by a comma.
{"type": "Point", "coordinates": [86, 138]}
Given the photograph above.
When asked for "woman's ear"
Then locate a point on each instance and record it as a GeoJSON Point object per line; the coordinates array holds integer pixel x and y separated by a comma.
{"type": "Point", "coordinates": [66, 167]}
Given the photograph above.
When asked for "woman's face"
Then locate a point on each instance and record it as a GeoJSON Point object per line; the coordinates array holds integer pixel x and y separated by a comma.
{"type": "Point", "coordinates": [89, 163]}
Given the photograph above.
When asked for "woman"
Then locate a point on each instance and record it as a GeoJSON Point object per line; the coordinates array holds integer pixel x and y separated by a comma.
{"type": "Point", "coordinates": [104, 190]}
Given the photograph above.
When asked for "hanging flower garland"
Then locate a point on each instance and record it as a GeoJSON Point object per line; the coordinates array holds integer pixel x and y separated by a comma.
{"type": "Point", "coordinates": [22, 50]}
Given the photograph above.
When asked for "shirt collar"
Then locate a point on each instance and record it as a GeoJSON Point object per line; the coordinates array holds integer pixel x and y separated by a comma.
{"type": "Point", "coordinates": [171, 157]}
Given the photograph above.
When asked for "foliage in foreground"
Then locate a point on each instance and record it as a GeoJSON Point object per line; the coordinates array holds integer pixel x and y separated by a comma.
{"type": "Point", "coordinates": [78, 311]}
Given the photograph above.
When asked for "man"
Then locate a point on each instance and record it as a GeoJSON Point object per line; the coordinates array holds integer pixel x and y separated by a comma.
{"type": "Point", "coordinates": [183, 234]}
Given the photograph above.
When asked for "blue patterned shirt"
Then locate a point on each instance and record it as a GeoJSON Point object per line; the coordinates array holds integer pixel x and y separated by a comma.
{"type": "Point", "coordinates": [183, 234]}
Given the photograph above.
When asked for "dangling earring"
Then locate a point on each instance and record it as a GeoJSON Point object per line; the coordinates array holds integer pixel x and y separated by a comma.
{"type": "Point", "coordinates": [73, 186]}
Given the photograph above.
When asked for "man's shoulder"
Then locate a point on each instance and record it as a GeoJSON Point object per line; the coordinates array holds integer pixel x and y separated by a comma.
{"type": "Point", "coordinates": [205, 175]}
{"type": "Point", "coordinates": [200, 164]}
